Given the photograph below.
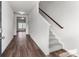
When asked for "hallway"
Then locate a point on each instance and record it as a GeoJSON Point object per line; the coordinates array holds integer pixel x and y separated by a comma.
{"type": "Point", "coordinates": [41, 35]}
{"type": "Point", "coordinates": [22, 46]}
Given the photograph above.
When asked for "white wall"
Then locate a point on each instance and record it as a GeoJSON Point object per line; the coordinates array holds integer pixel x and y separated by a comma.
{"type": "Point", "coordinates": [39, 30]}
{"type": "Point", "coordinates": [7, 25]}
{"type": "Point", "coordinates": [66, 14]}
{"type": "Point", "coordinates": [17, 15]}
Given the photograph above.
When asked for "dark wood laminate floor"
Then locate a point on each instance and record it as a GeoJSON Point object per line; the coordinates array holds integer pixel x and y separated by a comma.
{"type": "Point", "coordinates": [22, 46]}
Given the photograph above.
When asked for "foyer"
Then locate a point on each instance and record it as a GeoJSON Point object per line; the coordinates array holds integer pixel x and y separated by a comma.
{"type": "Point", "coordinates": [39, 29]}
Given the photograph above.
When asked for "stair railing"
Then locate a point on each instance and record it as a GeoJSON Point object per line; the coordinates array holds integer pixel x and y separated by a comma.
{"type": "Point", "coordinates": [51, 18]}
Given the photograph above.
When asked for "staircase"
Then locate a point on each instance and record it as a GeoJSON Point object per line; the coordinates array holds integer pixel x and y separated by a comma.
{"type": "Point", "coordinates": [54, 43]}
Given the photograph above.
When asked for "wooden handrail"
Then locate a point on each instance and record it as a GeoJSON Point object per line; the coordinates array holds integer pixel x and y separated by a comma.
{"type": "Point", "coordinates": [51, 19]}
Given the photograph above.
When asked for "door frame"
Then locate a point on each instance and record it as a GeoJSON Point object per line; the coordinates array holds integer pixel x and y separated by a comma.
{"type": "Point", "coordinates": [22, 21]}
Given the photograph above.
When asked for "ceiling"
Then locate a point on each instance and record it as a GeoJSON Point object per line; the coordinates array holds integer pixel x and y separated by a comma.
{"type": "Point", "coordinates": [24, 6]}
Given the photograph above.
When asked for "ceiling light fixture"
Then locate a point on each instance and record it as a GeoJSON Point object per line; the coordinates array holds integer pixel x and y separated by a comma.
{"type": "Point", "coordinates": [20, 12]}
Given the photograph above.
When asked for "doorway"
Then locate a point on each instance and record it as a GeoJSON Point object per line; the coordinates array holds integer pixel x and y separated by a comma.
{"type": "Point", "coordinates": [21, 24]}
